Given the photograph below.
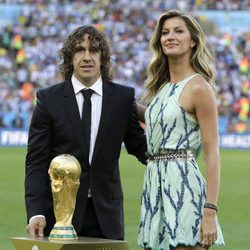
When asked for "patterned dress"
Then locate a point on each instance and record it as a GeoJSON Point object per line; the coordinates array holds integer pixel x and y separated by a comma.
{"type": "Point", "coordinates": [174, 192]}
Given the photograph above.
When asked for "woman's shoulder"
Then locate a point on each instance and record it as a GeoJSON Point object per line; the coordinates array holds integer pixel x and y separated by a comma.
{"type": "Point", "coordinates": [201, 92]}
{"type": "Point", "coordinates": [198, 85]}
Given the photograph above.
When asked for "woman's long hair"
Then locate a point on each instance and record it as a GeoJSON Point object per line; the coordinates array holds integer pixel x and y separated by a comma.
{"type": "Point", "coordinates": [97, 41]}
{"type": "Point", "coordinates": [201, 58]}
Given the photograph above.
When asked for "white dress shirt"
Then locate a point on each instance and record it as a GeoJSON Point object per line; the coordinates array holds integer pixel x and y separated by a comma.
{"type": "Point", "coordinates": [96, 101]}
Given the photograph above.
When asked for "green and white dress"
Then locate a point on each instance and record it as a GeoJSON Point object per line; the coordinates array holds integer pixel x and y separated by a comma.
{"type": "Point", "coordinates": [174, 192]}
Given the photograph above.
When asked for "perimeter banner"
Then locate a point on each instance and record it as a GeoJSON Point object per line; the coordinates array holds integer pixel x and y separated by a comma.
{"type": "Point", "coordinates": [235, 141]}
{"type": "Point", "coordinates": [19, 137]}
{"type": "Point", "coordinates": [13, 137]}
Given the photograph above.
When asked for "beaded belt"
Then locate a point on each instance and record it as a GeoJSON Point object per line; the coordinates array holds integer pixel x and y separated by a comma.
{"type": "Point", "coordinates": [172, 155]}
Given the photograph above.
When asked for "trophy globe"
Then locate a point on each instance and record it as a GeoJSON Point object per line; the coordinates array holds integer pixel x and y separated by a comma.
{"type": "Point", "coordinates": [64, 172]}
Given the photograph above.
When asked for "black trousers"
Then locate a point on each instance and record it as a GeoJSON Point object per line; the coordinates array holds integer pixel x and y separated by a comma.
{"type": "Point", "coordinates": [91, 227]}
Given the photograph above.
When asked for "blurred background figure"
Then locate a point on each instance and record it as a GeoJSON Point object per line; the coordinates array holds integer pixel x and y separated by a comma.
{"type": "Point", "coordinates": [31, 33]}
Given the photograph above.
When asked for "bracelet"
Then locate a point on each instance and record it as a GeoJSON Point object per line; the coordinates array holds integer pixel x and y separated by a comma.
{"type": "Point", "coordinates": [211, 206]}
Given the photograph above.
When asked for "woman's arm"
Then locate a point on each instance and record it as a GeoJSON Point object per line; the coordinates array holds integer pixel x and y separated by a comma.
{"type": "Point", "coordinates": [141, 111]}
{"type": "Point", "coordinates": [205, 107]}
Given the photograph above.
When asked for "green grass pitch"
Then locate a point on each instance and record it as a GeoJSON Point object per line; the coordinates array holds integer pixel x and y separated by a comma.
{"type": "Point", "coordinates": [234, 201]}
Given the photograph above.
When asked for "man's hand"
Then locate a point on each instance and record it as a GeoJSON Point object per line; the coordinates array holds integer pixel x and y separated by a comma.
{"type": "Point", "coordinates": [36, 227]}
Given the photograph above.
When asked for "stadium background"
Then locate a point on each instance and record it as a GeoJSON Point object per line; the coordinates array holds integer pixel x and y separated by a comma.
{"type": "Point", "coordinates": [31, 32]}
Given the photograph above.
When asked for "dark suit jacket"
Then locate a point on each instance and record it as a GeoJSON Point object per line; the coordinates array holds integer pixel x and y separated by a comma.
{"type": "Point", "coordinates": [56, 129]}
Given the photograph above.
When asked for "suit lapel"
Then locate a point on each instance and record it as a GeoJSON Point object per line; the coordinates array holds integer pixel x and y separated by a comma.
{"type": "Point", "coordinates": [105, 118]}
{"type": "Point", "coordinates": [70, 105]}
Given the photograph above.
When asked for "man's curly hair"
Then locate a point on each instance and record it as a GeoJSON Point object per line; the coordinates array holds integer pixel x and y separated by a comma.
{"type": "Point", "coordinates": [98, 41]}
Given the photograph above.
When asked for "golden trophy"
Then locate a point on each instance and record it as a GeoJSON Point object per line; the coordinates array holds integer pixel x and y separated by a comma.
{"type": "Point", "coordinates": [64, 172]}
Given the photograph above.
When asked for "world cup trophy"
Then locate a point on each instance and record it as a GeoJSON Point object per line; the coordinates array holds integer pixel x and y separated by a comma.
{"type": "Point", "coordinates": [64, 172]}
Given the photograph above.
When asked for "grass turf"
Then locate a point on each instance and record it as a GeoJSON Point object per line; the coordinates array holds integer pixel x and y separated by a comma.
{"type": "Point", "coordinates": [234, 202]}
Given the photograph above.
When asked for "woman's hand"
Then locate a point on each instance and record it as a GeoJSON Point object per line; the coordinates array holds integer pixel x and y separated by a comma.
{"type": "Point", "coordinates": [208, 233]}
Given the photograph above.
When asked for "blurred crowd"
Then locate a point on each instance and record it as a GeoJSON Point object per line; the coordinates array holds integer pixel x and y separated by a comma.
{"type": "Point", "coordinates": [29, 47]}
{"type": "Point", "coordinates": [171, 4]}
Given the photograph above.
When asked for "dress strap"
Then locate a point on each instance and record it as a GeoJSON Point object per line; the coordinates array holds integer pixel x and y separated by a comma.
{"type": "Point", "coordinates": [182, 84]}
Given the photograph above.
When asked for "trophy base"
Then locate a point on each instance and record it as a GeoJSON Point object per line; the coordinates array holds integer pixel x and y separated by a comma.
{"type": "Point", "coordinates": [21, 243]}
{"type": "Point", "coordinates": [63, 233]}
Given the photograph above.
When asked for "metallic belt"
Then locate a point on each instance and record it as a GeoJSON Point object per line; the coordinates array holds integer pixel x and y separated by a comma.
{"type": "Point", "coordinates": [172, 155]}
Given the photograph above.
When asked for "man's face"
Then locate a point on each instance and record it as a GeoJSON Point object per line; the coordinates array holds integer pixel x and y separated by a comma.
{"type": "Point", "coordinates": [87, 62]}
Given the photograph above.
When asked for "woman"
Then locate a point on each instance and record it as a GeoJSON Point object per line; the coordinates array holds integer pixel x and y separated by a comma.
{"type": "Point", "coordinates": [178, 209]}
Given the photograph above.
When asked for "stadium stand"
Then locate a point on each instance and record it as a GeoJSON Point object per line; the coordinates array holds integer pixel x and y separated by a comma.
{"type": "Point", "coordinates": [29, 45]}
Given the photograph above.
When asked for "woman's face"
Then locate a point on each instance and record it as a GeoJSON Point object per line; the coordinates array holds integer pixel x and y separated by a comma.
{"type": "Point", "coordinates": [175, 38]}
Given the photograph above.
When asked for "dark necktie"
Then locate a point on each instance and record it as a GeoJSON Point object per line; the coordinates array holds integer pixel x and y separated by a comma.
{"type": "Point", "coordinates": [86, 116]}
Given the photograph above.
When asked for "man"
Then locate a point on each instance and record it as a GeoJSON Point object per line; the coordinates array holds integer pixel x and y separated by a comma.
{"type": "Point", "coordinates": [58, 127]}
